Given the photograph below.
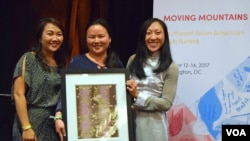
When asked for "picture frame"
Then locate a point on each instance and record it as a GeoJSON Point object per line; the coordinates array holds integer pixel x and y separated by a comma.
{"type": "Point", "coordinates": [96, 105]}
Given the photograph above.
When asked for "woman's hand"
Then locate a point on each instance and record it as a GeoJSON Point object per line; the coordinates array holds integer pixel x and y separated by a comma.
{"type": "Point", "coordinates": [60, 128]}
{"type": "Point", "coordinates": [132, 88]}
{"type": "Point", "coordinates": [29, 135]}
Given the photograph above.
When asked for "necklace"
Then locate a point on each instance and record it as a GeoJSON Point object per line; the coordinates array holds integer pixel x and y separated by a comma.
{"type": "Point", "coordinates": [99, 65]}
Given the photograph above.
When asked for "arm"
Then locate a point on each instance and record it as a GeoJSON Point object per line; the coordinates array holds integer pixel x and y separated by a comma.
{"type": "Point", "coordinates": [145, 102]}
{"type": "Point", "coordinates": [59, 124]}
{"type": "Point", "coordinates": [20, 88]}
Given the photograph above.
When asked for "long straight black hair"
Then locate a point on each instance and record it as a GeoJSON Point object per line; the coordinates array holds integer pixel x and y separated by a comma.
{"type": "Point", "coordinates": [165, 58]}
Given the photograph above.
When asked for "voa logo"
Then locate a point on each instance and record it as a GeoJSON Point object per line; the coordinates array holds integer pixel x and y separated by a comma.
{"type": "Point", "coordinates": [236, 132]}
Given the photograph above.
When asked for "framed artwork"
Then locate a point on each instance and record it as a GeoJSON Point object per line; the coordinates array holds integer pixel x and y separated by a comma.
{"type": "Point", "coordinates": [96, 105]}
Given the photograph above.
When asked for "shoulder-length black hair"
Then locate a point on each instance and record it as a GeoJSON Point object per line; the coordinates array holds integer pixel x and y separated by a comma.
{"type": "Point", "coordinates": [113, 60]}
{"type": "Point", "coordinates": [60, 54]}
{"type": "Point", "coordinates": [165, 58]}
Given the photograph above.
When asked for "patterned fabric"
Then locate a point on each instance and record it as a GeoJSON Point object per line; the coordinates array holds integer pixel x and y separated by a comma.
{"type": "Point", "coordinates": [42, 97]}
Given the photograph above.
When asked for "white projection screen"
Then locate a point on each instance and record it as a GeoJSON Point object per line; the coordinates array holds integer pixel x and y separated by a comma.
{"type": "Point", "coordinates": [210, 43]}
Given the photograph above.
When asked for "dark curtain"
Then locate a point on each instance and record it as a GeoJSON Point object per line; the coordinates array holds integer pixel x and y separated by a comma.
{"type": "Point", "coordinates": [126, 17]}
{"type": "Point", "coordinates": [18, 18]}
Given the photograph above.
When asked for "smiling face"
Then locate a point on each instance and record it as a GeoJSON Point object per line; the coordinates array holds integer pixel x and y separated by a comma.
{"type": "Point", "coordinates": [51, 38]}
{"type": "Point", "coordinates": [98, 39]}
{"type": "Point", "coordinates": [154, 37]}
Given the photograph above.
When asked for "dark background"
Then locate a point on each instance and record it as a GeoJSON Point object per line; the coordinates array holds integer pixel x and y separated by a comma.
{"type": "Point", "coordinates": [18, 16]}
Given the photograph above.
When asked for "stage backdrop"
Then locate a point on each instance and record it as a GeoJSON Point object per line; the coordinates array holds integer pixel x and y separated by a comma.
{"type": "Point", "coordinates": [210, 43]}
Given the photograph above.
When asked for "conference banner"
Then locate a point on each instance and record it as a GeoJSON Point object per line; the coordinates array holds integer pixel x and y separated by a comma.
{"type": "Point", "coordinates": [210, 43]}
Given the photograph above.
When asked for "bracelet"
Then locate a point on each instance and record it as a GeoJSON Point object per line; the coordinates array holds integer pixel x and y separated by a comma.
{"type": "Point", "coordinates": [58, 117]}
{"type": "Point", "coordinates": [24, 128]}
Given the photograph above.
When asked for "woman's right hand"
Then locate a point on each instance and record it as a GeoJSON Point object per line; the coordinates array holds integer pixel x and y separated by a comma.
{"type": "Point", "coordinates": [29, 135]}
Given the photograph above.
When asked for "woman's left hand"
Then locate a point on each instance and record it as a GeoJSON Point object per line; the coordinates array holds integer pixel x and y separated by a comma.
{"type": "Point", "coordinates": [132, 88]}
{"type": "Point", "coordinates": [60, 128]}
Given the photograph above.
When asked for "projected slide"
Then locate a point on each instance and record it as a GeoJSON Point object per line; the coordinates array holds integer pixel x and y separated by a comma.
{"type": "Point", "coordinates": [209, 42]}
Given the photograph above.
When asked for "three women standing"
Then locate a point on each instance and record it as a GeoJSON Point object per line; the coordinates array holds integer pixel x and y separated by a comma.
{"type": "Point", "coordinates": [36, 87]}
